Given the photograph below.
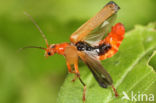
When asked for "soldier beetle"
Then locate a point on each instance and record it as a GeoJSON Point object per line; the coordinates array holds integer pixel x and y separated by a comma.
{"type": "Point", "coordinates": [88, 43]}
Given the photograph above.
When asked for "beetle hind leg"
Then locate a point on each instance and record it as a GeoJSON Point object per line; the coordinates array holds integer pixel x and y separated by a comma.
{"type": "Point", "coordinates": [115, 91]}
{"type": "Point", "coordinates": [81, 81]}
{"type": "Point", "coordinates": [84, 89]}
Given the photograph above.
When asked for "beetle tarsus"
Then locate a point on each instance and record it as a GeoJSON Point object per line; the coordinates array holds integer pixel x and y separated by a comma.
{"type": "Point", "coordinates": [77, 75]}
{"type": "Point", "coordinates": [115, 91]}
{"type": "Point", "coordinates": [84, 94]}
{"type": "Point", "coordinates": [84, 90]}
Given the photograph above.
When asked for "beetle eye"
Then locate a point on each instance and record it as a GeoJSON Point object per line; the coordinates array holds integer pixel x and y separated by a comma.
{"type": "Point", "coordinates": [49, 53]}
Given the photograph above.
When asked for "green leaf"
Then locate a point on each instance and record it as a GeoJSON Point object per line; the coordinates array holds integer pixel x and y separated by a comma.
{"type": "Point", "coordinates": [129, 69]}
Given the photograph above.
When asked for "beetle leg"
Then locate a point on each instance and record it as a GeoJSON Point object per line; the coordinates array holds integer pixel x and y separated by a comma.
{"type": "Point", "coordinates": [84, 89]}
{"type": "Point", "coordinates": [69, 67]}
{"type": "Point", "coordinates": [73, 80]}
{"type": "Point", "coordinates": [73, 59]}
{"type": "Point", "coordinates": [115, 91]}
{"type": "Point", "coordinates": [77, 74]}
{"type": "Point", "coordinates": [84, 85]}
{"type": "Point", "coordinates": [76, 70]}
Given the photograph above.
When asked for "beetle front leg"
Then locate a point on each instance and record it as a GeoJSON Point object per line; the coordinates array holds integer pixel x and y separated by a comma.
{"type": "Point", "coordinates": [69, 67]}
{"type": "Point", "coordinates": [76, 72]}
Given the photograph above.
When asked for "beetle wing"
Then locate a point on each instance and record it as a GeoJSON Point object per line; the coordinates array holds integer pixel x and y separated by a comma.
{"type": "Point", "coordinates": [81, 33]}
{"type": "Point", "coordinates": [98, 71]}
{"type": "Point", "coordinates": [101, 31]}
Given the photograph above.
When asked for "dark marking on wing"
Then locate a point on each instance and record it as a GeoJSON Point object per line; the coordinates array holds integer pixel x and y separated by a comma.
{"type": "Point", "coordinates": [98, 71]}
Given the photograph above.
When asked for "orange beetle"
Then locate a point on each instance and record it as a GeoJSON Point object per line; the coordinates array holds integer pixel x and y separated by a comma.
{"type": "Point", "coordinates": [87, 43]}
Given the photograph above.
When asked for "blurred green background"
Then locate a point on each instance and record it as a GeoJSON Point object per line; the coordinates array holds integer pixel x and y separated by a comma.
{"type": "Point", "coordinates": [29, 77]}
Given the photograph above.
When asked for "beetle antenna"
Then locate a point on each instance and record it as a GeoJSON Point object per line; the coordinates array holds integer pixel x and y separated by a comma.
{"type": "Point", "coordinates": [32, 47]}
{"type": "Point", "coordinates": [37, 26]}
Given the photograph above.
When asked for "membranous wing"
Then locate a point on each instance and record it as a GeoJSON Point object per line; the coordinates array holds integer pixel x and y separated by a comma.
{"type": "Point", "coordinates": [98, 71]}
{"type": "Point", "coordinates": [95, 36]}
{"type": "Point", "coordinates": [81, 33]}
